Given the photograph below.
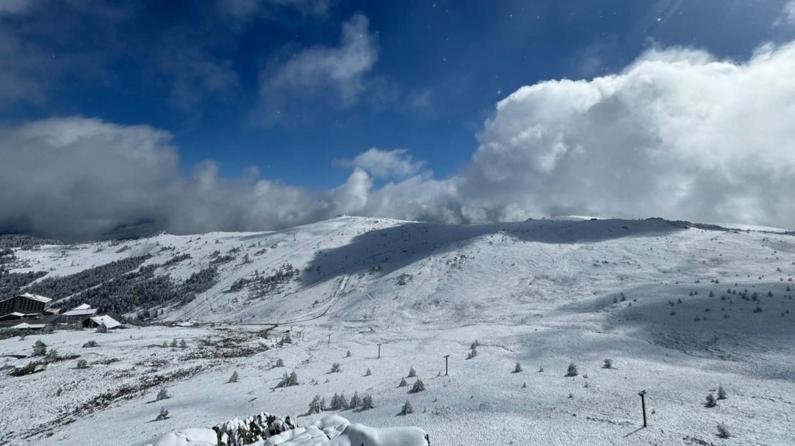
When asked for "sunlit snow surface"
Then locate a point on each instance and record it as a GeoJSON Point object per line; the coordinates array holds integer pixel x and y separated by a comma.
{"type": "Point", "coordinates": [541, 293]}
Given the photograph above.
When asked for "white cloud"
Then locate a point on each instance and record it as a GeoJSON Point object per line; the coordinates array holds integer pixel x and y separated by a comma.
{"type": "Point", "coordinates": [331, 72]}
{"type": "Point", "coordinates": [677, 134]}
{"type": "Point", "coordinates": [379, 163]}
{"type": "Point", "coordinates": [244, 11]}
{"type": "Point", "coordinates": [789, 12]}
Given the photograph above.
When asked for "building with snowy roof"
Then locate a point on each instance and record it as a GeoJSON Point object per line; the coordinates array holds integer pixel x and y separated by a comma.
{"type": "Point", "coordinates": [101, 321]}
{"type": "Point", "coordinates": [25, 305]}
{"type": "Point", "coordinates": [80, 311]}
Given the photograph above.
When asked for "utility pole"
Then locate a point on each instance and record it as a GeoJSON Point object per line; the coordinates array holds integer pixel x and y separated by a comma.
{"type": "Point", "coordinates": [445, 364]}
{"type": "Point", "coordinates": [379, 351]}
{"type": "Point", "coordinates": [642, 395]}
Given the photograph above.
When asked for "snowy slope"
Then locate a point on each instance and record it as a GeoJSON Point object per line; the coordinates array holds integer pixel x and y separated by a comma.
{"type": "Point", "coordinates": [679, 309]}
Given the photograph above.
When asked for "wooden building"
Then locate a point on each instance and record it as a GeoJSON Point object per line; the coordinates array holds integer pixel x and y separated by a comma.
{"type": "Point", "coordinates": [25, 305]}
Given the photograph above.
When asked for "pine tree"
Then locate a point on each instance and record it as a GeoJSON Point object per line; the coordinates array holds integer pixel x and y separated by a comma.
{"type": "Point", "coordinates": [608, 364]}
{"type": "Point", "coordinates": [162, 415]}
{"type": "Point", "coordinates": [367, 402]}
{"type": "Point", "coordinates": [723, 431]}
{"type": "Point", "coordinates": [39, 348]}
{"type": "Point", "coordinates": [183, 344]}
{"type": "Point", "coordinates": [279, 363]}
{"type": "Point", "coordinates": [315, 406]}
{"type": "Point", "coordinates": [336, 368]}
{"type": "Point", "coordinates": [572, 370]}
{"type": "Point", "coordinates": [418, 386]}
{"type": "Point", "coordinates": [412, 373]}
{"type": "Point", "coordinates": [174, 343]}
{"type": "Point", "coordinates": [517, 368]}
{"type": "Point", "coordinates": [355, 401]}
{"type": "Point", "coordinates": [368, 372]}
{"type": "Point", "coordinates": [403, 382]}
{"type": "Point", "coordinates": [721, 393]}
{"type": "Point", "coordinates": [162, 395]}
{"type": "Point", "coordinates": [407, 409]}
{"type": "Point", "coordinates": [234, 377]}
{"type": "Point", "coordinates": [711, 402]}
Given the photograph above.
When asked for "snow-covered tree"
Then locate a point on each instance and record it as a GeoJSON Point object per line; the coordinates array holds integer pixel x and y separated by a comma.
{"type": "Point", "coordinates": [316, 406]}
{"type": "Point", "coordinates": [355, 401]}
{"type": "Point", "coordinates": [517, 368]}
{"type": "Point", "coordinates": [571, 370]}
{"type": "Point", "coordinates": [182, 344]}
{"type": "Point", "coordinates": [418, 386]}
{"type": "Point", "coordinates": [162, 415]}
{"type": "Point", "coordinates": [608, 364]}
{"type": "Point", "coordinates": [279, 363]}
{"type": "Point", "coordinates": [82, 364]}
{"type": "Point", "coordinates": [723, 431]}
{"type": "Point", "coordinates": [403, 382]}
{"type": "Point", "coordinates": [721, 393]}
{"type": "Point", "coordinates": [162, 395]}
{"type": "Point", "coordinates": [336, 367]}
{"type": "Point", "coordinates": [368, 372]}
{"type": "Point", "coordinates": [407, 409]}
{"type": "Point", "coordinates": [367, 402]}
{"type": "Point", "coordinates": [711, 402]}
{"type": "Point", "coordinates": [234, 377]}
{"type": "Point", "coordinates": [412, 373]}
{"type": "Point", "coordinates": [39, 348]}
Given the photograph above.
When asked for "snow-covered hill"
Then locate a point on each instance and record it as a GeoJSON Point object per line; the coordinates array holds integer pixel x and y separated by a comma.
{"type": "Point", "coordinates": [679, 308]}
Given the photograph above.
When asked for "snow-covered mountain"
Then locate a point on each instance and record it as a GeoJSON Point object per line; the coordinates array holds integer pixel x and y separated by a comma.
{"type": "Point", "coordinates": [679, 309]}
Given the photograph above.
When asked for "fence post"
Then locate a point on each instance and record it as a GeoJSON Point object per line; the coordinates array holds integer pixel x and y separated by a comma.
{"type": "Point", "coordinates": [642, 395]}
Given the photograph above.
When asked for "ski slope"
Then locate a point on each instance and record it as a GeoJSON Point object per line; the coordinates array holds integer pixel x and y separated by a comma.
{"type": "Point", "coordinates": [673, 305]}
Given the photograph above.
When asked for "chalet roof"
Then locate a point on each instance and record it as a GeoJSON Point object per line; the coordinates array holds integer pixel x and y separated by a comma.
{"type": "Point", "coordinates": [27, 325]}
{"type": "Point", "coordinates": [105, 320]}
{"type": "Point", "coordinates": [35, 297]}
{"type": "Point", "coordinates": [80, 310]}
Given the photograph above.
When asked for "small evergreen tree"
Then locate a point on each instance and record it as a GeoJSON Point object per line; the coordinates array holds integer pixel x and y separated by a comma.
{"type": "Point", "coordinates": [711, 402]}
{"type": "Point", "coordinates": [39, 348]}
{"type": "Point", "coordinates": [355, 401]}
{"type": "Point", "coordinates": [182, 344]}
{"type": "Point", "coordinates": [721, 393]}
{"type": "Point", "coordinates": [51, 356]}
{"type": "Point", "coordinates": [162, 415]}
{"type": "Point", "coordinates": [174, 343]}
{"type": "Point", "coordinates": [348, 354]}
{"type": "Point", "coordinates": [608, 364]}
{"type": "Point", "coordinates": [723, 431]}
{"type": "Point", "coordinates": [572, 370]}
{"type": "Point", "coordinates": [368, 372]}
{"type": "Point", "coordinates": [412, 373]}
{"type": "Point", "coordinates": [336, 368]}
{"type": "Point", "coordinates": [279, 363]}
{"type": "Point", "coordinates": [162, 395]}
{"type": "Point", "coordinates": [417, 387]}
{"type": "Point", "coordinates": [403, 382]}
{"type": "Point", "coordinates": [407, 409]}
{"type": "Point", "coordinates": [234, 377]}
{"type": "Point", "coordinates": [82, 364]}
{"type": "Point", "coordinates": [517, 368]}
{"type": "Point", "coordinates": [367, 402]}
{"type": "Point", "coordinates": [316, 406]}
{"type": "Point", "coordinates": [472, 352]}
{"type": "Point", "coordinates": [90, 344]}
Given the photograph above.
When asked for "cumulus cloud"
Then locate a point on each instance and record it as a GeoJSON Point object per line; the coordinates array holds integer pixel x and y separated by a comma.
{"type": "Point", "coordinates": [789, 12]}
{"type": "Point", "coordinates": [677, 134]}
{"type": "Point", "coordinates": [328, 72]}
{"type": "Point", "coordinates": [396, 163]}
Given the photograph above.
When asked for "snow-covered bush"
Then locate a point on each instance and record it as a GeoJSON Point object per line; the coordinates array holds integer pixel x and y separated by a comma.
{"type": "Point", "coordinates": [182, 344]}
{"type": "Point", "coordinates": [279, 363]}
{"type": "Point", "coordinates": [348, 354]}
{"type": "Point", "coordinates": [367, 402]}
{"type": "Point", "coordinates": [407, 409]}
{"type": "Point", "coordinates": [336, 368]}
{"type": "Point", "coordinates": [472, 352]}
{"type": "Point", "coordinates": [368, 372]}
{"type": "Point", "coordinates": [723, 431]}
{"type": "Point", "coordinates": [233, 378]}
{"type": "Point", "coordinates": [608, 364]}
{"type": "Point", "coordinates": [52, 356]}
{"type": "Point", "coordinates": [517, 368]}
{"type": "Point", "coordinates": [82, 364]}
{"type": "Point", "coordinates": [403, 382]}
{"type": "Point", "coordinates": [90, 344]}
{"type": "Point", "coordinates": [571, 370]}
{"type": "Point", "coordinates": [162, 395]}
{"type": "Point", "coordinates": [412, 373]}
{"type": "Point", "coordinates": [721, 393]}
{"type": "Point", "coordinates": [418, 386]}
{"type": "Point", "coordinates": [339, 402]}
{"type": "Point", "coordinates": [174, 343]}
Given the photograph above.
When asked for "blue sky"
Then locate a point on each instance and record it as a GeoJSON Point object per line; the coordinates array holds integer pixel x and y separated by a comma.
{"type": "Point", "coordinates": [439, 68]}
{"type": "Point", "coordinates": [297, 89]}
